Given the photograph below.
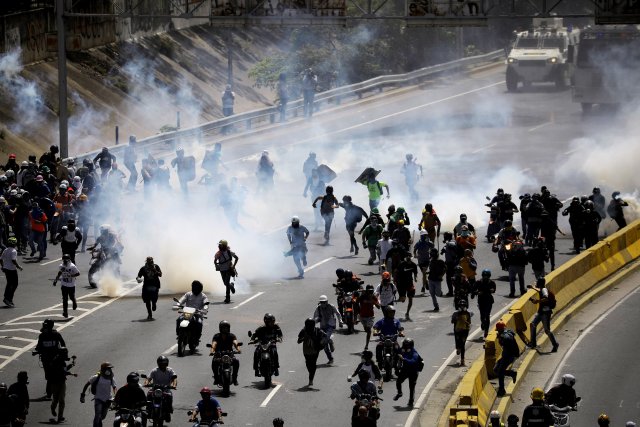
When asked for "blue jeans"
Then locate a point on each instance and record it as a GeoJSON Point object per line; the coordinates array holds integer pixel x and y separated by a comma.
{"type": "Point", "coordinates": [328, 329]}
{"type": "Point", "coordinates": [501, 369]}
{"type": "Point", "coordinates": [545, 318]}
{"type": "Point", "coordinates": [328, 219]}
{"type": "Point", "coordinates": [435, 289]}
{"type": "Point", "coordinates": [373, 203]}
{"type": "Point", "coordinates": [38, 238]}
{"type": "Point", "coordinates": [100, 408]}
{"type": "Point", "coordinates": [516, 270]}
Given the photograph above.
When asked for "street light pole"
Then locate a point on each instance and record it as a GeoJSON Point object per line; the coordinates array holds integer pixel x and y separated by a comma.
{"type": "Point", "coordinates": [62, 82]}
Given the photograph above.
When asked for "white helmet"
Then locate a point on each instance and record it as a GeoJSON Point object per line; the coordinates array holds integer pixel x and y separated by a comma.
{"type": "Point", "coordinates": [9, 173]}
{"type": "Point", "coordinates": [424, 232]}
{"type": "Point", "coordinates": [495, 415]}
{"type": "Point", "coordinates": [323, 298]}
{"type": "Point", "coordinates": [295, 219]}
{"type": "Point", "coordinates": [630, 424]}
{"type": "Point", "coordinates": [568, 379]}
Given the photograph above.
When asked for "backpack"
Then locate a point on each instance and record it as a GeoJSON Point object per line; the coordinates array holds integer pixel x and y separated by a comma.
{"type": "Point", "coordinates": [509, 342]}
{"type": "Point", "coordinates": [94, 384]}
{"type": "Point", "coordinates": [551, 300]}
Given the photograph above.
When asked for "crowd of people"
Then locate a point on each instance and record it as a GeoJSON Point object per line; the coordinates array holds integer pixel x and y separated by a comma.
{"type": "Point", "coordinates": [52, 197]}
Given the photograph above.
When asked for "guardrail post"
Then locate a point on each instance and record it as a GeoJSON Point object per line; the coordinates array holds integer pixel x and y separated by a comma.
{"type": "Point", "coordinates": [117, 135]}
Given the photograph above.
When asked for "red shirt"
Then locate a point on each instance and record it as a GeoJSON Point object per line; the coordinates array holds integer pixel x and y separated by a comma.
{"type": "Point", "coordinates": [38, 224]}
{"type": "Point", "coordinates": [366, 305]}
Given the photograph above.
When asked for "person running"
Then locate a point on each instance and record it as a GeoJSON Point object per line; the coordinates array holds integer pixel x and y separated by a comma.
{"type": "Point", "coordinates": [150, 275]}
{"type": "Point", "coordinates": [412, 364]}
{"type": "Point", "coordinates": [510, 352]}
{"type": "Point", "coordinates": [353, 215]}
{"type": "Point", "coordinates": [326, 314]}
{"type": "Point", "coordinates": [484, 289]}
{"type": "Point", "coordinates": [386, 292]}
{"type": "Point", "coordinates": [328, 203]}
{"type": "Point", "coordinates": [297, 235]}
{"type": "Point", "coordinates": [225, 262]}
{"type": "Point", "coordinates": [374, 188]}
{"type": "Point", "coordinates": [421, 251]}
{"type": "Point", "coordinates": [437, 271]}
{"type": "Point", "coordinates": [313, 340]}
{"type": "Point", "coordinates": [10, 267]}
{"type": "Point", "coordinates": [67, 274]}
{"type": "Point", "coordinates": [371, 234]}
{"type": "Point", "coordinates": [103, 387]}
{"type": "Point", "coordinates": [367, 300]}
{"type": "Point", "coordinates": [546, 304]}
{"type": "Point", "coordinates": [461, 321]}
{"type": "Point", "coordinates": [407, 276]}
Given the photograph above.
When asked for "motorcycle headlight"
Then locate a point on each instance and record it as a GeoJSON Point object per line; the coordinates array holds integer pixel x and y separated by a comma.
{"type": "Point", "coordinates": [157, 393]}
{"type": "Point", "coordinates": [552, 60]}
{"type": "Point", "coordinates": [511, 60]}
{"type": "Point", "coordinates": [226, 359]}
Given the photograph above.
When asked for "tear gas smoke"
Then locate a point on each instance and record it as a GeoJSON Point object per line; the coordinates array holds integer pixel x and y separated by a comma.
{"type": "Point", "coordinates": [24, 95]}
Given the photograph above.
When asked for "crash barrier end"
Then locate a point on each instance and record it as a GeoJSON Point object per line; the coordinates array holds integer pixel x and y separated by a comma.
{"type": "Point", "coordinates": [574, 284]}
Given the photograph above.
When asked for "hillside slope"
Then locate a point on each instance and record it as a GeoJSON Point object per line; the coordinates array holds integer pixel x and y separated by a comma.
{"type": "Point", "coordinates": [139, 86]}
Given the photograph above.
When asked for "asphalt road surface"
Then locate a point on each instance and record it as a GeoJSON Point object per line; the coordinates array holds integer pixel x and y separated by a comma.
{"type": "Point", "coordinates": [471, 137]}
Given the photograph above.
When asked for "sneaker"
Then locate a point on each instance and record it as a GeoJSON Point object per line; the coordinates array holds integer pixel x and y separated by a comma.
{"type": "Point", "coordinates": [310, 384]}
{"type": "Point", "coordinates": [232, 286]}
{"type": "Point", "coordinates": [32, 253]}
{"type": "Point", "coordinates": [436, 309]}
{"type": "Point", "coordinates": [301, 276]}
{"type": "Point", "coordinates": [555, 348]}
{"type": "Point", "coordinates": [531, 345]}
{"type": "Point", "coordinates": [397, 396]}
{"type": "Point", "coordinates": [227, 301]}
{"type": "Point", "coordinates": [406, 317]}
{"type": "Point", "coordinates": [65, 315]}
{"type": "Point", "coordinates": [332, 346]}
{"type": "Point", "coordinates": [511, 295]}
{"type": "Point", "coordinates": [61, 419]}
{"type": "Point", "coordinates": [356, 252]}
{"type": "Point", "coordinates": [501, 392]}
{"type": "Point", "coordinates": [11, 304]}
{"type": "Point", "coordinates": [330, 361]}
{"type": "Point", "coordinates": [6, 302]}
{"type": "Point", "coordinates": [514, 376]}
{"type": "Point", "coordinates": [235, 381]}
{"type": "Point", "coordinates": [149, 317]}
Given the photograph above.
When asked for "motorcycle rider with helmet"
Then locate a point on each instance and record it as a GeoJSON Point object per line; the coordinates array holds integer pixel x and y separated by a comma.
{"type": "Point", "coordinates": [368, 365]}
{"type": "Point", "coordinates": [386, 326]}
{"type": "Point", "coordinates": [365, 386]}
{"type": "Point", "coordinates": [109, 243]}
{"type": "Point", "coordinates": [538, 413]}
{"type": "Point", "coordinates": [208, 408]}
{"type": "Point", "coordinates": [411, 365]}
{"type": "Point", "coordinates": [131, 396]}
{"type": "Point", "coordinates": [224, 341]}
{"type": "Point", "coordinates": [268, 332]}
{"type": "Point", "coordinates": [163, 375]}
{"type": "Point", "coordinates": [194, 299]}
{"type": "Point", "coordinates": [563, 394]}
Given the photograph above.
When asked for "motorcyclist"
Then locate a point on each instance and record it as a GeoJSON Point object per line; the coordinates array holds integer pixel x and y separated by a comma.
{"type": "Point", "coordinates": [194, 299]}
{"type": "Point", "coordinates": [131, 396]}
{"type": "Point", "coordinates": [349, 282]}
{"type": "Point", "coordinates": [109, 243]}
{"type": "Point", "coordinates": [368, 365]}
{"type": "Point", "coordinates": [224, 340]}
{"type": "Point", "coordinates": [563, 394]}
{"type": "Point", "coordinates": [208, 408]}
{"type": "Point", "coordinates": [387, 326]}
{"type": "Point", "coordinates": [364, 386]}
{"type": "Point", "coordinates": [163, 375]}
{"type": "Point", "coordinates": [506, 208]}
{"type": "Point", "coordinates": [499, 197]}
{"type": "Point", "coordinates": [269, 332]}
{"type": "Point", "coordinates": [49, 344]}
{"type": "Point", "coordinates": [537, 414]}
{"type": "Point", "coordinates": [411, 365]}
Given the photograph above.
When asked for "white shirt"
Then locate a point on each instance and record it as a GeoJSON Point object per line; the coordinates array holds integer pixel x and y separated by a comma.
{"type": "Point", "coordinates": [103, 388]}
{"type": "Point", "coordinates": [8, 256]}
{"type": "Point", "coordinates": [67, 277]}
{"type": "Point", "coordinates": [386, 294]}
{"type": "Point", "coordinates": [384, 246]}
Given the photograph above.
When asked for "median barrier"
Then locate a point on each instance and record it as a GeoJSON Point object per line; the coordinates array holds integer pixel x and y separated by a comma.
{"type": "Point", "coordinates": [573, 284]}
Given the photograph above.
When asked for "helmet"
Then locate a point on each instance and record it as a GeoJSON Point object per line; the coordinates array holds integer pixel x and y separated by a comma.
{"type": "Point", "coordinates": [269, 318]}
{"type": "Point", "coordinates": [223, 243]}
{"type": "Point", "coordinates": [463, 303]}
{"type": "Point", "coordinates": [105, 365]}
{"type": "Point", "coordinates": [323, 298]}
{"type": "Point", "coordinates": [434, 252]}
{"type": "Point", "coordinates": [348, 275]}
{"type": "Point", "coordinates": [386, 275]}
{"type": "Point", "coordinates": [568, 379]}
{"type": "Point", "coordinates": [500, 326]}
{"type": "Point", "coordinates": [614, 195]}
{"type": "Point", "coordinates": [309, 323]}
{"type": "Point", "coordinates": [163, 362]}
{"type": "Point", "coordinates": [463, 216]}
{"type": "Point", "coordinates": [224, 327]}
{"type": "Point", "coordinates": [12, 241]}
{"type": "Point", "coordinates": [389, 311]}
{"type": "Point", "coordinates": [9, 173]}
{"type": "Point", "coordinates": [630, 424]}
{"type": "Point", "coordinates": [500, 191]}
{"type": "Point", "coordinates": [340, 273]}
{"type": "Point", "coordinates": [407, 343]}
{"type": "Point", "coordinates": [295, 220]}
{"type": "Point", "coordinates": [375, 210]}
{"type": "Point", "coordinates": [24, 163]}
{"type": "Point", "coordinates": [104, 228]}
{"type": "Point", "coordinates": [12, 156]}
{"type": "Point", "coordinates": [495, 415]}
{"type": "Point", "coordinates": [133, 378]}
{"type": "Point", "coordinates": [424, 232]}
{"type": "Point", "coordinates": [364, 375]}
{"type": "Point", "coordinates": [369, 288]}
{"type": "Point", "coordinates": [596, 190]}
{"type": "Point", "coordinates": [457, 269]}
{"type": "Point", "coordinates": [537, 394]}
{"type": "Point", "coordinates": [512, 420]}
{"type": "Point", "coordinates": [401, 222]}
{"type": "Point", "coordinates": [448, 235]}
{"type": "Point", "coordinates": [205, 392]}
{"type": "Point", "coordinates": [47, 325]}
{"type": "Point", "coordinates": [486, 273]}
{"type": "Point", "coordinates": [63, 187]}
{"type": "Point", "coordinates": [603, 420]}
{"type": "Point", "coordinates": [196, 287]}
{"type": "Point", "coordinates": [83, 198]}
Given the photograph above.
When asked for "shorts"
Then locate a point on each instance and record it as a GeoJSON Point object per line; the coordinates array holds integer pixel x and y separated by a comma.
{"type": "Point", "coordinates": [424, 265]}
{"type": "Point", "coordinates": [367, 322]}
{"type": "Point", "coordinates": [406, 292]}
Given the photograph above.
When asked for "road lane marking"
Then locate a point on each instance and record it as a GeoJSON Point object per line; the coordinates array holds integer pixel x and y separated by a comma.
{"type": "Point", "coordinates": [35, 331]}
{"type": "Point", "coordinates": [587, 331]}
{"type": "Point", "coordinates": [170, 349]}
{"type": "Point", "coordinates": [535, 128]}
{"type": "Point", "coordinates": [270, 396]}
{"type": "Point", "coordinates": [427, 389]}
{"type": "Point", "coordinates": [247, 300]}
{"type": "Point", "coordinates": [51, 262]}
{"type": "Point", "coordinates": [37, 322]}
{"type": "Point", "coordinates": [6, 337]}
{"type": "Point", "coordinates": [482, 148]}
{"type": "Point", "coordinates": [317, 264]}
{"type": "Point", "coordinates": [8, 347]}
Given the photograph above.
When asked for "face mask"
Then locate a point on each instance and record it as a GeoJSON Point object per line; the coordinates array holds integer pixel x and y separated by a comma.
{"type": "Point", "coordinates": [295, 225]}
{"type": "Point", "coordinates": [107, 373]}
{"type": "Point", "coordinates": [71, 227]}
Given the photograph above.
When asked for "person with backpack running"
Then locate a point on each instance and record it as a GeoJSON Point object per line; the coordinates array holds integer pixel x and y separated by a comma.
{"type": "Point", "coordinates": [546, 303]}
{"type": "Point", "coordinates": [103, 387]}
{"type": "Point", "coordinates": [510, 352]}
{"type": "Point", "coordinates": [353, 215]}
{"type": "Point", "coordinates": [375, 190]}
{"type": "Point", "coordinates": [328, 203]}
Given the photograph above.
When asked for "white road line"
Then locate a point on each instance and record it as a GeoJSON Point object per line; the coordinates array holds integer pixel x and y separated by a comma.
{"type": "Point", "coordinates": [482, 148]}
{"type": "Point", "coordinates": [535, 128]}
{"type": "Point", "coordinates": [4, 357]}
{"type": "Point", "coordinates": [51, 262]}
{"type": "Point", "coordinates": [170, 349]}
{"type": "Point", "coordinates": [8, 347]}
{"type": "Point", "coordinates": [427, 389]}
{"type": "Point", "coordinates": [584, 333]}
{"type": "Point", "coordinates": [572, 151]}
{"type": "Point", "coordinates": [317, 264]}
{"type": "Point", "coordinates": [270, 396]}
{"type": "Point", "coordinates": [6, 337]}
{"type": "Point", "coordinates": [247, 300]}
{"type": "Point", "coordinates": [37, 322]}
{"type": "Point", "coordinates": [66, 324]}
{"type": "Point", "coordinates": [35, 331]}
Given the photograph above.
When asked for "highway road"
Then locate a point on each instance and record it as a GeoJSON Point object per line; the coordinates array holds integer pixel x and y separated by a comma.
{"type": "Point", "coordinates": [469, 133]}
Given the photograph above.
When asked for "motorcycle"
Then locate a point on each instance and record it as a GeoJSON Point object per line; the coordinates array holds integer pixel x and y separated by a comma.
{"type": "Point", "coordinates": [389, 359]}
{"type": "Point", "coordinates": [198, 423]}
{"type": "Point", "coordinates": [265, 364]}
{"type": "Point", "coordinates": [158, 399]}
{"type": "Point", "coordinates": [494, 224]}
{"type": "Point", "coordinates": [99, 260]}
{"type": "Point", "coordinates": [348, 307]}
{"type": "Point", "coordinates": [370, 402]}
{"type": "Point", "coordinates": [186, 334]}
{"type": "Point", "coordinates": [126, 417]}
{"type": "Point", "coordinates": [225, 361]}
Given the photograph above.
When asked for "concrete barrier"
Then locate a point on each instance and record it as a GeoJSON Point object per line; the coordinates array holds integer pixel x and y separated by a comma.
{"type": "Point", "coordinates": [475, 395]}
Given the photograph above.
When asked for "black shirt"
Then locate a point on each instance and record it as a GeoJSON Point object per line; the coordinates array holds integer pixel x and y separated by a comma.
{"type": "Point", "coordinates": [224, 342]}
{"type": "Point", "coordinates": [265, 333]}
{"type": "Point", "coordinates": [130, 396]}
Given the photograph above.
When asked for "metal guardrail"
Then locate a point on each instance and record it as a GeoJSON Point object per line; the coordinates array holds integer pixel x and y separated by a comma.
{"type": "Point", "coordinates": [266, 116]}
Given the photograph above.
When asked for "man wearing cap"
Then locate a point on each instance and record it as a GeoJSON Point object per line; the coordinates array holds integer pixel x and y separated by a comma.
{"type": "Point", "coordinates": [67, 274]}
{"type": "Point", "coordinates": [103, 386]}
{"type": "Point", "coordinates": [326, 314]}
{"type": "Point", "coordinates": [225, 262]}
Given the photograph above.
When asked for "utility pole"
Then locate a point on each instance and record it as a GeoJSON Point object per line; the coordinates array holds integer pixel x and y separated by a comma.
{"type": "Point", "coordinates": [62, 82]}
